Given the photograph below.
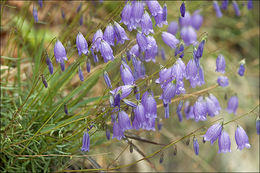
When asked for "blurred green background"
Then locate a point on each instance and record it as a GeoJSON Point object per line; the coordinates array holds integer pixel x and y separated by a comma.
{"type": "Point", "coordinates": [26, 104]}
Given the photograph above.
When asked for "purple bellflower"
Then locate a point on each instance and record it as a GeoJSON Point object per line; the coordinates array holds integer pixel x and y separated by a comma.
{"type": "Point", "coordinates": [186, 20]}
{"type": "Point", "coordinates": [241, 138]}
{"type": "Point", "coordinates": [146, 24]}
{"type": "Point", "coordinates": [196, 146]}
{"type": "Point", "coordinates": [137, 11]}
{"type": "Point", "coordinates": [212, 109]}
{"type": "Point", "coordinates": [213, 133]}
{"type": "Point", "coordinates": [117, 131]}
{"type": "Point", "coordinates": [120, 33]}
{"type": "Point", "coordinates": [50, 66]}
{"type": "Point", "coordinates": [189, 35]}
{"type": "Point", "coordinates": [154, 7]}
{"type": "Point", "coordinates": [124, 91]}
{"type": "Point", "coordinates": [170, 39]}
{"type": "Point", "coordinates": [182, 9]}
{"type": "Point", "coordinates": [222, 81]}
{"type": "Point", "coordinates": [165, 14]}
{"type": "Point", "coordinates": [236, 8]}
{"type": "Point", "coordinates": [124, 121]}
{"type": "Point", "coordinates": [217, 9]}
{"type": "Point", "coordinates": [60, 52]}
{"type": "Point", "coordinates": [191, 69]}
{"type": "Point", "coordinates": [88, 65]}
{"type": "Point", "coordinates": [196, 20]}
{"type": "Point", "coordinates": [224, 4]}
{"type": "Point", "coordinates": [258, 126]}
{"type": "Point", "coordinates": [126, 74]}
{"type": "Point", "coordinates": [173, 27]}
{"type": "Point", "coordinates": [81, 77]}
{"type": "Point", "coordinates": [150, 106]}
{"type": "Point", "coordinates": [152, 50]}
{"type": "Point", "coordinates": [168, 92]}
{"type": "Point", "coordinates": [142, 42]}
{"type": "Point", "coordinates": [161, 18]}
{"type": "Point", "coordinates": [179, 51]}
{"type": "Point", "coordinates": [200, 110]}
{"type": "Point", "coordinates": [249, 4]}
{"type": "Point", "coordinates": [232, 105]}
{"type": "Point", "coordinates": [107, 80]}
{"type": "Point", "coordinates": [241, 70]}
{"type": "Point", "coordinates": [40, 3]}
{"type": "Point", "coordinates": [199, 51]}
{"type": "Point", "coordinates": [220, 64]}
{"type": "Point", "coordinates": [224, 143]}
{"type": "Point", "coordinates": [109, 35]}
{"type": "Point", "coordinates": [96, 41]}
{"type": "Point", "coordinates": [139, 69]}
{"type": "Point", "coordinates": [139, 112]}
{"type": "Point", "coordinates": [85, 142]}
{"type": "Point", "coordinates": [215, 100]}
{"type": "Point", "coordinates": [126, 14]}
{"type": "Point", "coordinates": [134, 51]}
{"type": "Point", "coordinates": [35, 14]}
{"type": "Point", "coordinates": [82, 44]}
{"type": "Point", "coordinates": [179, 108]}
{"type": "Point", "coordinates": [106, 51]}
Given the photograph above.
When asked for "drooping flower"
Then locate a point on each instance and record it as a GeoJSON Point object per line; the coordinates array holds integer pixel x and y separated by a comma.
{"type": "Point", "coordinates": [117, 131]}
{"type": "Point", "coordinates": [166, 110]}
{"type": "Point", "coordinates": [196, 20]}
{"type": "Point", "coordinates": [241, 70]}
{"type": "Point", "coordinates": [142, 42]}
{"type": "Point", "coordinates": [88, 65]}
{"type": "Point", "coordinates": [134, 51]}
{"type": "Point", "coordinates": [258, 126]}
{"type": "Point", "coordinates": [213, 133]}
{"type": "Point", "coordinates": [35, 14]}
{"type": "Point", "coordinates": [146, 24]}
{"type": "Point", "coordinates": [182, 9]}
{"type": "Point", "coordinates": [241, 138]}
{"type": "Point", "coordinates": [191, 69]}
{"type": "Point", "coordinates": [96, 41]}
{"type": "Point", "coordinates": [139, 69]}
{"type": "Point", "coordinates": [236, 8]}
{"type": "Point", "coordinates": [168, 92]}
{"type": "Point", "coordinates": [224, 4]}
{"type": "Point", "coordinates": [186, 20]}
{"type": "Point", "coordinates": [217, 9]}
{"type": "Point", "coordinates": [215, 100]}
{"type": "Point", "coordinates": [224, 142]}
{"type": "Point", "coordinates": [124, 121]}
{"type": "Point", "coordinates": [59, 52]}
{"type": "Point", "coordinates": [232, 105]}
{"type": "Point", "coordinates": [170, 39]}
{"type": "Point", "coordinates": [62, 65]}
{"type": "Point", "coordinates": [126, 14]}
{"type": "Point", "coordinates": [107, 80]}
{"type": "Point", "coordinates": [85, 142]}
{"type": "Point", "coordinates": [222, 81]}
{"type": "Point", "coordinates": [50, 66]}
{"type": "Point", "coordinates": [139, 112]}
{"type": "Point", "coordinates": [152, 50]}
{"type": "Point", "coordinates": [199, 52]}
{"type": "Point", "coordinates": [164, 75]}
{"type": "Point", "coordinates": [120, 33]}
{"type": "Point", "coordinates": [173, 27]}
{"type": "Point", "coordinates": [154, 7]}
{"type": "Point", "coordinates": [179, 108]}
{"type": "Point", "coordinates": [211, 107]}
{"type": "Point", "coordinates": [220, 64]}
{"type": "Point", "coordinates": [190, 113]}
{"type": "Point", "coordinates": [40, 3]}
{"type": "Point", "coordinates": [189, 35]}
{"type": "Point", "coordinates": [109, 35]}
{"type": "Point", "coordinates": [137, 11]}
{"type": "Point", "coordinates": [81, 77]}
{"type": "Point", "coordinates": [126, 74]}
{"type": "Point", "coordinates": [149, 104]}
{"type": "Point", "coordinates": [124, 91]}
{"type": "Point", "coordinates": [161, 18]}
{"type": "Point", "coordinates": [82, 44]}
{"type": "Point", "coordinates": [106, 51]}
{"type": "Point", "coordinates": [179, 70]}
{"type": "Point", "coordinates": [179, 51]}
{"type": "Point", "coordinates": [196, 146]}
{"type": "Point", "coordinates": [200, 110]}
{"type": "Point", "coordinates": [249, 4]}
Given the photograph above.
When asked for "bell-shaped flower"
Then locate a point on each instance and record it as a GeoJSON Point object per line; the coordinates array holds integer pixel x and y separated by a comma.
{"type": "Point", "coordinates": [154, 7]}
{"type": "Point", "coordinates": [96, 41]}
{"type": "Point", "coordinates": [241, 138]}
{"type": "Point", "coordinates": [250, 4]}
{"type": "Point", "coordinates": [146, 24]}
{"type": "Point", "coordinates": [224, 4]}
{"type": "Point", "coordinates": [173, 27]}
{"type": "Point", "coordinates": [179, 51]}
{"type": "Point", "coordinates": [126, 13]}
{"type": "Point", "coordinates": [82, 44]}
{"type": "Point", "coordinates": [224, 142]}
{"type": "Point", "coordinates": [149, 104]}
{"type": "Point", "coordinates": [139, 112]}
{"type": "Point", "coordinates": [137, 11]}
{"type": "Point", "coordinates": [120, 33]}
{"type": "Point", "coordinates": [217, 9]}
{"type": "Point", "coordinates": [211, 107]}
{"type": "Point", "coordinates": [189, 35]}
{"type": "Point", "coordinates": [117, 131]}
{"type": "Point", "coordinates": [232, 105]}
{"type": "Point", "coordinates": [109, 35]}
{"type": "Point", "coordinates": [196, 146]}
{"type": "Point", "coordinates": [168, 92]}
{"type": "Point", "coordinates": [134, 51]}
{"type": "Point", "coordinates": [191, 69]}
{"type": "Point", "coordinates": [150, 124]}
{"type": "Point", "coordinates": [222, 81]}
{"type": "Point", "coordinates": [215, 100]}
{"type": "Point", "coordinates": [88, 65]}
{"type": "Point", "coordinates": [186, 20]}
{"type": "Point", "coordinates": [241, 70]}
{"type": "Point", "coordinates": [200, 110]}
{"type": "Point", "coordinates": [220, 64]}
{"type": "Point", "coordinates": [164, 75]}
{"type": "Point", "coordinates": [170, 39]}
{"type": "Point", "coordinates": [152, 50]}
{"type": "Point", "coordinates": [139, 69]}
{"type": "Point", "coordinates": [236, 8]}
{"type": "Point", "coordinates": [126, 74]}
{"type": "Point", "coordinates": [213, 133]}
{"type": "Point", "coordinates": [161, 18]}
{"type": "Point", "coordinates": [124, 91]}
{"type": "Point", "coordinates": [124, 121]}
{"type": "Point", "coordinates": [59, 52]}
{"type": "Point", "coordinates": [106, 51]}
{"type": "Point", "coordinates": [196, 20]}
{"type": "Point", "coordinates": [142, 42]}
{"type": "Point", "coordinates": [85, 142]}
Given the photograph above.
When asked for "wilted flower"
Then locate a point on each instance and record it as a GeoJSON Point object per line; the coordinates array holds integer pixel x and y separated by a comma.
{"type": "Point", "coordinates": [85, 142]}
{"type": "Point", "coordinates": [224, 143]}
{"type": "Point", "coordinates": [154, 7]}
{"type": "Point", "coordinates": [81, 77]}
{"type": "Point", "coordinates": [59, 52]}
{"type": "Point", "coordinates": [96, 41]}
{"type": "Point", "coordinates": [124, 121]}
{"type": "Point", "coordinates": [146, 24]}
{"type": "Point", "coordinates": [120, 33]}
{"type": "Point", "coordinates": [149, 104]}
{"type": "Point", "coordinates": [196, 146]}
{"type": "Point", "coordinates": [213, 133]}
{"type": "Point", "coordinates": [109, 35]}
{"type": "Point", "coordinates": [236, 8]}
{"type": "Point", "coordinates": [217, 9]}
{"type": "Point", "coordinates": [223, 81]}
{"type": "Point", "coordinates": [220, 64]}
{"type": "Point", "coordinates": [35, 14]}
{"type": "Point", "coordinates": [241, 70]}
{"type": "Point", "coordinates": [224, 4]}
{"type": "Point", "coordinates": [196, 20]}
{"type": "Point", "coordinates": [241, 138]}
{"type": "Point", "coordinates": [182, 9]}
{"type": "Point", "coordinates": [82, 44]}
{"type": "Point", "coordinates": [107, 80]}
{"type": "Point", "coordinates": [106, 51]}
{"type": "Point", "coordinates": [170, 39]}
{"type": "Point", "coordinates": [189, 35]}
{"type": "Point", "coordinates": [232, 105]}
{"type": "Point", "coordinates": [173, 27]}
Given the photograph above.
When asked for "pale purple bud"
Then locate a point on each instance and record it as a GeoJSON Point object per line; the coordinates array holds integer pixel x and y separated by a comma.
{"type": "Point", "coordinates": [217, 9]}
{"type": "Point", "coordinates": [236, 8]}
{"type": "Point", "coordinates": [196, 146]}
{"type": "Point", "coordinates": [223, 81]}
{"type": "Point", "coordinates": [220, 64]}
{"type": "Point", "coordinates": [81, 77]}
{"type": "Point", "coordinates": [35, 14]}
{"type": "Point", "coordinates": [82, 44]}
{"type": "Point", "coordinates": [189, 35]}
{"type": "Point", "coordinates": [62, 65]}
{"type": "Point", "coordinates": [224, 142]}
{"type": "Point", "coordinates": [44, 82]}
{"type": "Point", "coordinates": [81, 20]}
{"type": "Point", "coordinates": [120, 33]}
{"type": "Point", "coordinates": [232, 105]}
{"type": "Point", "coordinates": [182, 9]}
{"type": "Point", "coordinates": [50, 66]}
{"type": "Point", "coordinates": [170, 39]}
{"type": "Point", "coordinates": [107, 80]}
{"type": "Point", "coordinates": [179, 108]}
{"type": "Point", "coordinates": [85, 142]}
{"type": "Point", "coordinates": [241, 138]}
{"type": "Point", "coordinates": [40, 3]}
{"type": "Point", "coordinates": [213, 133]}
{"type": "Point", "coordinates": [165, 13]}
{"type": "Point", "coordinates": [96, 41]}
{"type": "Point", "coordinates": [258, 126]}
{"type": "Point", "coordinates": [59, 52]}
{"type": "Point", "coordinates": [88, 65]}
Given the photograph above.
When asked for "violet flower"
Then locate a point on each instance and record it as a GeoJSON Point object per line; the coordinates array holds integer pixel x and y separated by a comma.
{"type": "Point", "coordinates": [236, 8]}
{"type": "Point", "coordinates": [81, 77]}
{"type": "Point", "coordinates": [189, 35]}
{"type": "Point", "coordinates": [109, 35]}
{"type": "Point", "coordinates": [150, 105]}
{"type": "Point", "coordinates": [96, 41]}
{"type": "Point", "coordinates": [166, 110]}
{"type": "Point", "coordinates": [88, 65]}
{"type": "Point", "coordinates": [146, 24]}
{"type": "Point", "coordinates": [241, 70]}
{"type": "Point", "coordinates": [232, 105]}
{"type": "Point", "coordinates": [117, 131]}
{"type": "Point", "coordinates": [182, 9]}
{"type": "Point", "coordinates": [107, 80]}
{"type": "Point", "coordinates": [126, 13]}
{"type": "Point", "coordinates": [85, 142]}
{"type": "Point", "coordinates": [124, 121]}
{"type": "Point", "coordinates": [170, 39]}
{"type": "Point", "coordinates": [224, 4]}
{"type": "Point", "coordinates": [224, 143]}
{"type": "Point", "coordinates": [241, 138]}
{"type": "Point", "coordinates": [120, 33]}
{"type": "Point", "coordinates": [59, 52]}
{"type": "Point", "coordinates": [126, 74]}
{"type": "Point", "coordinates": [137, 11]}
{"type": "Point", "coordinates": [200, 110]}
{"type": "Point", "coordinates": [258, 126]}
{"type": "Point", "coordinates": [35, 14]}
{"type": "Point", "coordinates": [217, 9]}
{"type": "Point", "coordinates": [106, 51]}
{"type": "Point", "coordinates": [220, 64]}
{"type": "Point", "coordinates": [222, 81]}
{"type": "Point", "coordinates": [173, 27]}
{"type": "Point", "coordinates": [154, 7]}
{"type": "Point", "coordinates": [50, 66]}
{"type": "Point", "coordinates": [82, 44]}
{"type": "Point", "coordinates": [196, 146]}
{"type": "Point", "coordinates": [196, 20]}
{"type": "Point", "coordinates": [213, 133]}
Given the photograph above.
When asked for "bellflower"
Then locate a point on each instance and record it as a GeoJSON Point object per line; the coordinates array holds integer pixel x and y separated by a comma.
{"type": "Point", "coordinates": [107, 80]}
{"type": "Point", "coordinates": [199, 52]}
{"type": "Point", "coordinates": [165, 75]}
{"type": "Point", "coordinates": [232, 105]}
{"type": "Point", "coordinates": [139, 112]}
{"type": "Point", "coordinates": [241, 138]}
{"type": "Point", "coordinates": [85, 142]}
{"type": "Point", "coordinates": [201, 76]}
{"type": "Point", "coordinates": [191, 69]}
{"type": "Point", "coordinates": [50, 66]}
{"type": "Point", "coordinates": [117, 131]}
{"type": "Point", "coordinates": [220, 64]}
{"type": "Point", "coordinates": [165, 14]}
{"type": "Point", "coordinates": [215, 100]}
{"type": "Point", "coordinates": [223, 81]}
{"type": "Point", "coordinates": [146, 24]}
{"type": "Point", "coordinates": [249, 4]}
{"type": "Point", "coordinates": [124, 121]}
{"type": "Point", "coordinates": [224, 143]}
{"type": "Point", "coordinates": [179, 108]}
{"type": "Point", "coordinates": [62, 65]}
{"type": "Point", "coordinates": [139, 69]}
{"type": "Point", "coordinates": [196, 20]}
{"type": "Point", "coordinates": [189, 35]}
{"type": "Point", "coordinates": [126, 14]}
{"type": "Point", "coordinates": [88, 65]}
{"type": "Point", "coordinates": [134, 51]}
{"type": "Point", "coordinates": [95, 57]}
{"type": "Point", "coordinates": [109, 35]}
{"type": "Point", "coordinates": [120, 33]}
{"type": "Point", "coordinates": [166, 110]}
{"type": "Point", "coordinates": [81, 77]}
{"type": "Point", "coordinates": [258, 126]}
{"type": "Point", "coordinates": [224, 4]}
{"type": "Point", "coordinates": [173, 27]}
{"type": "Point", "coordinates": [213, 133]}
{"type": "Point", "coordinates": [179, 51]}
{"type": "Point", "coordinates": [96, 41]}
{"type": "Point", "coordinates": [35, 14]}
{"type": "Point", "coordinates": [190, 113]}
{"type": "Point", "coordinates": [160, 19]}
{"type": "Point", "coordinates": [186, 20]}
{"type": "Point", "coordinates": [59, 52]}
{"type": "Point", "coordinates": [180, 87]}
{"type": "Point", "coordinates": [82, 44]}
{"type": "Point", "coordinates": [178, 70]}
{"type": "Point", "coordinates": [116, 101]}
{"type": "Point", "coordinates": [241, 70]}
{"type": "Point", "coordinates": [150, 124]}
{"type": "Point", "coordinates": [149, 104]}
{"type": "Point", "coordinates": [106, 51]}
{"type": "Point", "coordinates": [126, 74]}
{"type": "Point", "coordinates": [217, 9]}
{"type": "Point", "coordinates": [154, 7]}
{"type": "Point", "coordinates": [81, 20]}
{"type": "Point", "coordinates": [137, 11]}
{"type": "Point", "coordinates": [200, 110]}
{"type": "Point", "coordinates": [170, 39]}
{"type": "Point", "coordinates": [125, 91]}
{"type": "Point", "coordinates": [168, 92]}
{"type": "Point", "coordinates": [40, 3]}
{"type": "Point", "coordinates": [196, 146]}
{"type": "Point", "coordinates": [152, 50]}
{"type": "Point", "coordinates": [182, 9]}
{"type": "Point", "coordinates": [211, 107]}
{"type": "Point", "coordinates": [236, 8]}
{"type": "Point", "coordinates": [142, 42]}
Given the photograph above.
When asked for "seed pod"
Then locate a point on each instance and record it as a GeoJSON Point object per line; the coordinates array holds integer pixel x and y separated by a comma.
{"type": "Point", "coordinates": [44, 81]}
{"type": "Point", "coordinates": [66, 109]}
{"type": "Point", "coordinates": [188, 141]}
{"type": "Point", "coordinates": [161, 158]}
{"type": "Point", "coordinates": [174, 150]}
